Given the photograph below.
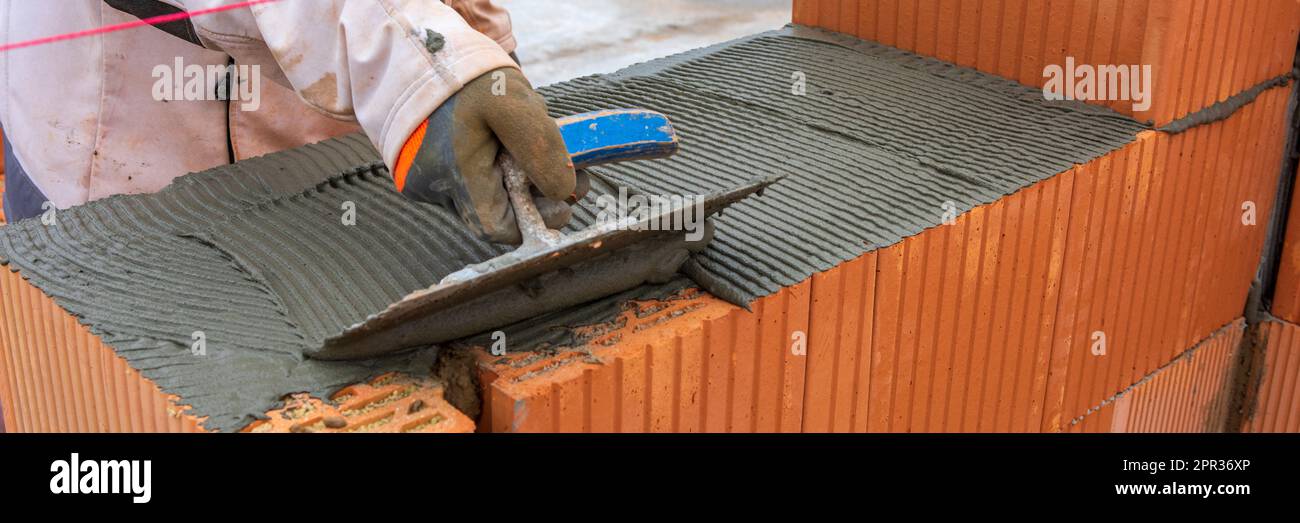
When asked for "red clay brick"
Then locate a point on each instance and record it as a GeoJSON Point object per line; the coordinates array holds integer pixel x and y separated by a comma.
{"type": "Point", "coordinates": [1200, 51]}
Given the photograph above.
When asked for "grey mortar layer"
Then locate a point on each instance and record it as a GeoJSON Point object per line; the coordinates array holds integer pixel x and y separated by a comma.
{"type": "Point", "coordinates": [881, 140]}
{"type": "Point", "coordinates": [255, 257]}
{"type": "Point", "coordinates": [1223, 109]}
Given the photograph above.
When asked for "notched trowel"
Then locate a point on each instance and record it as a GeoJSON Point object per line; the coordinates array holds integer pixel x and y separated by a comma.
{"type": "Point", "coordinates": [551, 270]}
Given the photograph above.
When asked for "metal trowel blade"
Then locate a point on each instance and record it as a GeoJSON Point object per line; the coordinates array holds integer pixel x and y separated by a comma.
{"type": "Point", "coordinates": [506, 270]}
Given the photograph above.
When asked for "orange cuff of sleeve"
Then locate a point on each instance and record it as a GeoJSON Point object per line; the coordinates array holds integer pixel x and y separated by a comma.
{"type": "Point", "coordinates": [407, 156]}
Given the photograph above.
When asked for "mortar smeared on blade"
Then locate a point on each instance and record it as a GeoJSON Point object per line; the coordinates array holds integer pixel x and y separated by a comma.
{"type": "Point", "coordinates": [550, 270]}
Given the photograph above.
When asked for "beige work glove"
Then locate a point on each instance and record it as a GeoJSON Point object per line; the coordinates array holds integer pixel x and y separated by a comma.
{"type": "Point", "coordinates": [449, 160]}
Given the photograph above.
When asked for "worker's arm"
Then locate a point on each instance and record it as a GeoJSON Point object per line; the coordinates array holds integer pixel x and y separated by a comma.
{"type": "Point", "coordinates": [391, 65]}
{"type": "Point", "coordinates": [488, 18]}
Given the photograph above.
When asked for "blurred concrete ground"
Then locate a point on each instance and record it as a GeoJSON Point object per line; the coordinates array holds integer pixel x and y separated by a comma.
{"type": "Point", "coordinates": [563, 39]}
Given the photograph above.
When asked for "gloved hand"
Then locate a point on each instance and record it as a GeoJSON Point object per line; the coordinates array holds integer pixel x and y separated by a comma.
{"type": "Point", "coordinates": [449, 160]}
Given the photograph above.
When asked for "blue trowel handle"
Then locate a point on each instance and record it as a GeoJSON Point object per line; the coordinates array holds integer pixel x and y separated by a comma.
{"type": "Point", "coordinates": [592, 139]}
{"type": "Point", "coordinates": [616, 135]}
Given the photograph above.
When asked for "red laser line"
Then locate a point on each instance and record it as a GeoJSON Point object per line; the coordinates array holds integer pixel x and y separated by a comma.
{"type": "Point", "coordinates": [162, 19]}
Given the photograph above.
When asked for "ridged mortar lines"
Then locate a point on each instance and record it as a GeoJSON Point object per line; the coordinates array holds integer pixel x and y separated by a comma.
{"type": "Point", "coordinates": [879, 143]}
{"type": "Point", "coordinates": [254, 254]}
{"type": "Point", "coordinates": [135, 270]}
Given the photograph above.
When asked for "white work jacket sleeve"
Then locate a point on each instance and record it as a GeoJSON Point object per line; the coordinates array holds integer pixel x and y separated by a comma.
{"type": "Point", "coordinates": [488, 18]}
{"type": "Point", "coordinates": [385, 63]}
